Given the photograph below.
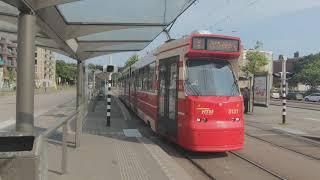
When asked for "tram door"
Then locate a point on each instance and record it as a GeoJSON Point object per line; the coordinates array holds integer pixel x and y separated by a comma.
{"type": "Point", "coordinates": [168, 77]}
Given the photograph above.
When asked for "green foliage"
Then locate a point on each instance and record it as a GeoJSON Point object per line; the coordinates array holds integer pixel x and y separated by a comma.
{"type": "Point", "coordinates": [255, 62]}
{"type": "Point", "coordinates": [131, 60]}
{"type": "Point", "coordinates": [11, 75]}
{"type": "Point", "coordinates": [67, 71]}
{"type": "Point", "coordinates": [99, 67]}
{"type": "Point", "coordinates": [259, 45]}
{"type": "Point", "coordinates": [308, 70]}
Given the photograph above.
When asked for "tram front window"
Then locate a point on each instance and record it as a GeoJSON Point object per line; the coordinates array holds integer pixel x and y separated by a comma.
{"type": "Point", "coordinates": [210, 78]}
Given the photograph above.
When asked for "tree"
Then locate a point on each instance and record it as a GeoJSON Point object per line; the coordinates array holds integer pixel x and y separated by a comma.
{"type": "Point", "coordinates": [308, 70]}
{"type": "Point", "coordinates": [255, 62]}
{"type": "Point", "coordinates": [99, 67]}
{"type": "Point", "coordinates": [134, 58]}
{"type": "Point", "coordinates": [67, 71]}
{"type": "Point", "coordinates": [259, 45]}
{"type": "Point", "coordinates": [11, 76]}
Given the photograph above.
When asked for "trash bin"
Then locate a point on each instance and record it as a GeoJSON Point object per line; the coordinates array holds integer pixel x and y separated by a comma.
{"type": "Point", "coordinates": [22, 157]}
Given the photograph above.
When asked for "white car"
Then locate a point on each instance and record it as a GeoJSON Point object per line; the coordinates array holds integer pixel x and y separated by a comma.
{"type": "Point", "coordinates": [275, 95]}
{"type": "Point", "coordinates": [315, 97]}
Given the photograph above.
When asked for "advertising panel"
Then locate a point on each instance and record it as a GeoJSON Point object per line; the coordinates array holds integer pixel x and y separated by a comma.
{"type": "Point", "coordinates": [261, 90]}
{"type": "Point", "coordinates": [1, 77]}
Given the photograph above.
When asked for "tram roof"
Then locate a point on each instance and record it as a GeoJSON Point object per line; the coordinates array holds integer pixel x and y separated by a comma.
{"type": "Point", "coordinates": [83, 29]}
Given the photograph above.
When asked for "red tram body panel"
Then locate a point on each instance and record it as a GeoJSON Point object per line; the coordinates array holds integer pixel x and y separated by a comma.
{"type": "Point", "coordinates": [188, 92]}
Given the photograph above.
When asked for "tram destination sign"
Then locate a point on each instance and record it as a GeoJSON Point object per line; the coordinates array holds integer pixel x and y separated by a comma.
{"type": "Point", "coordinates": [220, 44]}
{"type": "Point", "coordinates": [216, 44]}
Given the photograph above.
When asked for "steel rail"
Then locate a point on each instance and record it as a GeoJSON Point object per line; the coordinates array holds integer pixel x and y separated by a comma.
{"type": "Point", "coordinates": [257, 165]}
{"type": "Point", "coordinates": [283, 147]}
{"type": "Point", "coordinates": [304, 139]}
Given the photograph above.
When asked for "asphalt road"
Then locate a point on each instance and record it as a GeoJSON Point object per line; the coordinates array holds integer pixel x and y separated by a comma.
{"type": "Point", "coordinates": [42, 104]}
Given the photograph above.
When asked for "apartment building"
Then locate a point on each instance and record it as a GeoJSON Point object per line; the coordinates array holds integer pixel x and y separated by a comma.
{"type": "Point", "coordinates": [8, 62]}
{"type": "Point", "coordinates": [45, 68]}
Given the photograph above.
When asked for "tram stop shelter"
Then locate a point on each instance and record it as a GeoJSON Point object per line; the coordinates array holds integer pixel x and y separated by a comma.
{"type": "Point", "coordinates": [80, 29]}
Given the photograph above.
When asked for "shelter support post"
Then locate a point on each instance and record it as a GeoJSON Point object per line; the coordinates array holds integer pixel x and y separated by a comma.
{"type": "Point", "coordinates": [25, 73]}
{"type": "Point", "coordinates": [80, 104]}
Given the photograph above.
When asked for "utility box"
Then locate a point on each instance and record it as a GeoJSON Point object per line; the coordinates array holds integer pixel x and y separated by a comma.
{"type": "Point", "coordinates": [22, 157]}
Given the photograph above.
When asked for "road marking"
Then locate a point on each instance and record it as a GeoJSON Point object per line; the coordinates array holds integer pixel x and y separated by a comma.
{"type": "Point", "coordinates": [312, 119]}
{"type": "Point", "coordinates": [168, 165]}
{"type": "Point", "coordinates": [123, 109]}
{"type": "Point", "coordinates": [7, 123]}
{"type": "Point", "coordinates": [132, 133]}
{"type": "Point", "coordinates": [11, 121]}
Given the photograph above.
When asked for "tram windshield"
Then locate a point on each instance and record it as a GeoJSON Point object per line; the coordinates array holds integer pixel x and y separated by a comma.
{"type": "Point", "coordinates": [210, 78]}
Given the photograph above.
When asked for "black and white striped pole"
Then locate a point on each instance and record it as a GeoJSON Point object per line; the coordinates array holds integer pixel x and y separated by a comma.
{"type": "Point", "coordinates": [109, 103]}
{"type": "Point", "coordinates": [284, 83]}
{"type": "Point", "coordinates": [110, 69]}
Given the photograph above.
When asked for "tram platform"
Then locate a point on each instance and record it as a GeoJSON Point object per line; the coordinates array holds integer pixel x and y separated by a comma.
{"type": "Point", "coordinates": [119, 152]}
{"type": "Point", "coordinates": [299, 122]}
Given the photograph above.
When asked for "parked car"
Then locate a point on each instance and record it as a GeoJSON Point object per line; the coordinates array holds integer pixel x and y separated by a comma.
{"type": "Point", "coordinates": [275, 95]}
{"type": "Point", "coordinates": [315, 97]}
{"type": "Point", "coordinates": [295, 96]}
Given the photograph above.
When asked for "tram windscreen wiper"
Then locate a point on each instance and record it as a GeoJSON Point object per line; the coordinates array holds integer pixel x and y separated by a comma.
{"type": "Point", "coordinates": [189, 87]}
{"type": "Point", "coordinates": [207, 77]}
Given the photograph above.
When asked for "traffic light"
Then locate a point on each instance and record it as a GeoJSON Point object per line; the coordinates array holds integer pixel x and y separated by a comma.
{"type": "Point", "coordinates": [110, 68]}
{"type": "Point", "coordinates": [289, 75]}
{"type": "Point", "coordinates": [277, 75]}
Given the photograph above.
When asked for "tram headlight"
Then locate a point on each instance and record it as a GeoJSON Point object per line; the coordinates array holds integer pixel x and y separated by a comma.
{"type": "Point", "coordinates": [236, 119]}
{"type": "Point", "coordinates": [198, 120]}
{"type": "Point", "coordinates": [204, 120]}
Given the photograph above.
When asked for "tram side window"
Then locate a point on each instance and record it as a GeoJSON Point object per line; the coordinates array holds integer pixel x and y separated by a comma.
{"type": "Point", "coordinates": [145, 78]}
{"type": "Point", "coordinates": [151, 77]}
{"type": "Point", "coordinates": [139, 79]}
{"type": "Point", "coordinates": [124, 83]}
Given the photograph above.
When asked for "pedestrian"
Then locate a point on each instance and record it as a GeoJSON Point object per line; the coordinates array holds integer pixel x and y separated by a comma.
{"type": "Point", "coordinates": [246, 97]}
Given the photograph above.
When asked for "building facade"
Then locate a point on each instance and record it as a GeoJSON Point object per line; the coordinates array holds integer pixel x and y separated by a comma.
{"type": "Point", "coordinates": [8, 62]}
{"type": "Point", "coordinates": [45, 68]}
{"type": "Point", "coordinates": [290, 63]}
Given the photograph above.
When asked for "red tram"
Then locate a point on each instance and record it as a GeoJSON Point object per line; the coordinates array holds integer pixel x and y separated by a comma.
{"type": "Point", "coordinates": [188, 92]}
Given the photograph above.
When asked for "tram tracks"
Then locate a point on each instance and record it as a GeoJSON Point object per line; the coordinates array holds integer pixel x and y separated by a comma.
{"type": "Point", "coordinates": [192, 158]}
{"type": "Point", "coordinates": [256, 162]}
{"type": "Point", "coordinates": [304, 140]}
{"type": "Point", "coordinates": [257, 165]}
{"type": "Point", "coordinates": [229, 155]}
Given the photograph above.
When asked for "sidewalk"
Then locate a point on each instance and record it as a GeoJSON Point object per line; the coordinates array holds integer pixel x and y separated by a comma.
{"type": "Point", "coordinates": [116, 152]}
{"type": "Point", "coordinates": [300, 122]}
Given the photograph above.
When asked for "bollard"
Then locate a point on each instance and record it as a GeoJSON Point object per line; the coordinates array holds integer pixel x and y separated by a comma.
{"type": "Point", "coordinates": [109, 104]}
{"type": "Point", "coordinates": [284, 96]}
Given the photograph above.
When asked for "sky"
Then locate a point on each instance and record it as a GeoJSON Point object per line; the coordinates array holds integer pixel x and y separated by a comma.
{"type": "Point", "coordinates": [284, 26]}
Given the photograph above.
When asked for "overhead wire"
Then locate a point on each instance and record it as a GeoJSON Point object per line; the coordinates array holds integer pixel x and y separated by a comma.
{"type": "Point", "coordinates": [224, 18]}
